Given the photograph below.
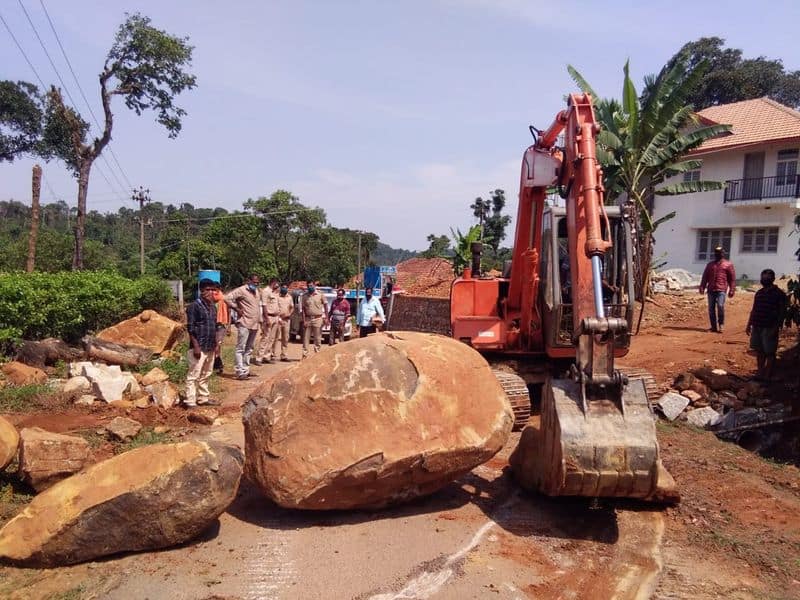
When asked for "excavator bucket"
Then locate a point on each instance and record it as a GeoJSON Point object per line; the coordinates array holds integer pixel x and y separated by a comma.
{"type": "Point", "coordinates": [608, 450]}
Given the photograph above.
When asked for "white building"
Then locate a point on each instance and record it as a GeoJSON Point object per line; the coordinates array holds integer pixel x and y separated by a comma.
{"type": "Point", "coordinates": [753, 217]}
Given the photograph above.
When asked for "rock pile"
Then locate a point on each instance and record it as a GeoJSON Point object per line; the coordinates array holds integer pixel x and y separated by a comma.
{"type": "Point", "coordinates": [674, 280]}
{"type": "Point", "coordinates": [382, 420]}
{"type": "Point", "coordinates": [716, 399]}
{"type": "Point", "coordinates": [148, 498]}
{"type": "Point", "coordinates": [91, 381]}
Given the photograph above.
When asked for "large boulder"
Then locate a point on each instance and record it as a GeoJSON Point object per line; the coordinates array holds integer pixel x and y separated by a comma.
{"type": "Point", "coordinates": [148, 498]}
{"type": "Point", "coordinates": [9, 443]}
{"type": "Point", "coordinates": [376, 421]}
{"type": "Point", "coordinates": [154, 375]}
{"type": "Point", "coordinates": [148, 329]}
{"type": "Point", "coordinates": [46, 457]}
{"type": "Point", "coordinates": [19, 373]}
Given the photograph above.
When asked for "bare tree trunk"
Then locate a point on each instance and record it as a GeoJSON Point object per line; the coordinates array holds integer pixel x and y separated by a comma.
{"type": "Point", "coordinates": [80, 219]}
{"type": "Point", "coordinates": [36, 189]}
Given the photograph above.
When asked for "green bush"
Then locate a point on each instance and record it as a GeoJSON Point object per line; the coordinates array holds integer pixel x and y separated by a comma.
{"type": "Point", "coordinates": [68, 305]}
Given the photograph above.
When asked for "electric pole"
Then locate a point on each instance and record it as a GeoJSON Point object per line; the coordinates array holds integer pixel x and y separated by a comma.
{"type": "Point", "coordinates": [36, 189]}
{"type": "Point", "coordinates": [141, 196]}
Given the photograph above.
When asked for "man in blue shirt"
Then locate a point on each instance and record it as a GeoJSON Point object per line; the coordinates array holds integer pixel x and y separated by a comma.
{"type": "Point", "coordinates": [369, 312]}
{"type": "Point", "coordinates": [201, 323]}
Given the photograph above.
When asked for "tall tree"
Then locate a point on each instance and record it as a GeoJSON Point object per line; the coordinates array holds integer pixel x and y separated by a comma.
{"type": "Point", "coordinates": [284, 223]}
{"type": "Point", "coordinates": [731, 77]}
{"type": "Point", "coordinates": [644, 142]}
{"type": "Point", "coordinates": [147, 67]}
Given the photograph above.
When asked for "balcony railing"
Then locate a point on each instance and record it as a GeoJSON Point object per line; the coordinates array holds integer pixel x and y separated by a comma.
{"type": "Point", "coordinates": [762, 188]}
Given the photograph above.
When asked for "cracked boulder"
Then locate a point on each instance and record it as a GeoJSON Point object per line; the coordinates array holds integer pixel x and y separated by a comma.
{"type": "Point", "coordinates": [148, 498]}
{"type": "Point", "coordinates": [374, 422]}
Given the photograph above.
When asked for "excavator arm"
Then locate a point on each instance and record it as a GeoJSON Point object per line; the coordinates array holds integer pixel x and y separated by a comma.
{"type": "Point", "coordinates": [597, 432]}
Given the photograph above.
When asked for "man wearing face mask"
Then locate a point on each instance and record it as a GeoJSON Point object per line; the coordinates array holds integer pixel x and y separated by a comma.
{"type": "Point", "coordinates": [315, 313]}
{"type": "Point", "coordinates": [285, 310]}
{"type": "Point", "coordinates": [246, 301]}
{"type": "Point", "coordinates": [370, 313]}
{"type": "Point", "coordinates": [766, 319]}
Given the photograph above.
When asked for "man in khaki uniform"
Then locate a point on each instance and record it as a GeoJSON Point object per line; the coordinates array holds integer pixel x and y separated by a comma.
{"type": "Point", "coordinates": [245, 301]}
{"type": "Point", "coordinates": [285, 310]}
{"type": "Point", "coordinates": [270, 322]}
{"type": "Point", "coordinates": [315, 313]}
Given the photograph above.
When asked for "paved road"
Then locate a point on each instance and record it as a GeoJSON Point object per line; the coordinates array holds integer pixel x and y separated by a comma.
{"type": "Point", "coordinates": [478, 538]}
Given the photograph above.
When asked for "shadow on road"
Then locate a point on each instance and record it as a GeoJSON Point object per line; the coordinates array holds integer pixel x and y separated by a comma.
{"type": "Point", "coordinates": [499, 497]}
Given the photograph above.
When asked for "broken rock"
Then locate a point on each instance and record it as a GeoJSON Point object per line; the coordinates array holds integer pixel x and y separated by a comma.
{"type": "Point", "coordinates": [85, 399]}
{"type": "Point", "coordinates": [45, 457]}
{"type": "Point", "coordinates": [382, 420]}
{"type": "Point", "coordinates": [148, 498]}
{"type": "Point", "coordinates": [672, 405]}
{"type": "Point", "coordinates": [9, 443]}
{"type": "Point", "coordinates": [19, 373]}
{"type": "Point", "coordinates": [148, 329]}
{"type": "Point", "coordinates": [110, 387]}
{"type": "Point", "coordinates": [165, 394]}
{"type": "Point", "coordinates": [703, 417]}
{"type": "Point", "coordinates": [77, 385]}
{"type": "Point", "coordinates": [154, 375]}
{"type": "Point", "coordinates": [691, 395]}
{"type": "Point", "coordinates": [683, 381]}
{"type": "Point", "coordinates": [123, 429]}
{"type": "Point", "coordinates": [204, 415]}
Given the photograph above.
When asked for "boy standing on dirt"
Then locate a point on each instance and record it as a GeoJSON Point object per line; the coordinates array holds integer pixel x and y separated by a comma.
{"type": "Point", "coordinates": [766, 319]}
{"type": "Point", "coordinates": [720, 278]}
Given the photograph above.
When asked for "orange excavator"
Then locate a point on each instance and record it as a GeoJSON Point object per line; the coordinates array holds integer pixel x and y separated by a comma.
{"type": "Point", "coordinates": [554, 323]}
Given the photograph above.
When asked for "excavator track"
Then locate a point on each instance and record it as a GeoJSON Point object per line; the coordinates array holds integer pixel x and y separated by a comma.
{"type": "Point", "coordinates": [518, 395]}
{"type": "Point", "coordinates": [650, 384]}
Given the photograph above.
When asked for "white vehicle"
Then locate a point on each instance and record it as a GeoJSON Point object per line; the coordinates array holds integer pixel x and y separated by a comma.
{"type": "Point", "coordinates": [296, 324]}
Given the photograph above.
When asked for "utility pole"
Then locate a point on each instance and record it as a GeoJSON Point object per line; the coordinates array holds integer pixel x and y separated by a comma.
{"type": "Point", "coordinates": [141, 196]}
{"type": "Point", "coordinates": [36, 189]}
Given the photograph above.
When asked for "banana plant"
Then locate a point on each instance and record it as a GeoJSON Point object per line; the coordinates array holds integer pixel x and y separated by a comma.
{"type": "Point", "coordinates": [645, 140]}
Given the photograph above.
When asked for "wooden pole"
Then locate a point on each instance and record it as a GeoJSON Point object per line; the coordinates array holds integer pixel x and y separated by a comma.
{"type": "Point", "coordinates": [36, 189]}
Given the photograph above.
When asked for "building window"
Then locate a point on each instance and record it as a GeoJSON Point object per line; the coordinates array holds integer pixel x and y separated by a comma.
{"type": "Point", "coordinates": [763, 239]}
{"type": "Point", "coordinates": [708, 239]}
{"type": "Point", "coordinates": [786, 169]}
{"type": "Point", "coordinates": [691, 175]}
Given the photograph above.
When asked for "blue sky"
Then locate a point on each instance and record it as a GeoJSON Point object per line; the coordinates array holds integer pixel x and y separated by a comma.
{"type": "Point", "coordinates": [392, 116]}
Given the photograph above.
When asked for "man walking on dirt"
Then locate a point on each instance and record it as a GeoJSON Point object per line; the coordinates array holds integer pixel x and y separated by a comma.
{"type": "Point", "coordinates": [766, 319]}
{"type": "Point", "coordinates": [719, 278]}
{"type": "Point", "coordinates": [340, 312]}
{"type": "Point", "coordinates": [201, 323]}
{"type": "Point", "coordinates": [270, 322]}
{"type": "Point", "coordinates": [245, 300]}
{"type": "Point", "coordinates": [315, 312]}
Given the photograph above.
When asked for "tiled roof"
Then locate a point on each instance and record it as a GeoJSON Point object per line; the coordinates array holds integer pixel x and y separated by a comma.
{"type": "Point", "coordinates": [754, 122]}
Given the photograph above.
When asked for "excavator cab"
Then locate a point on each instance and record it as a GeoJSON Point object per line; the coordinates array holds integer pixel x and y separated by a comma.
{"type": "Point", "coordinates": [556, 290]}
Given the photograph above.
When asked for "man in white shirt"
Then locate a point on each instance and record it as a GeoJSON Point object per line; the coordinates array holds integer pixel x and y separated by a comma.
{"type": "Point", "coordinates": [369, 312]}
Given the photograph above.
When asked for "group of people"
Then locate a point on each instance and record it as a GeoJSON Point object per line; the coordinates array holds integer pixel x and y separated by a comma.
{"type": "Point", "coordinates": [252, 309]}
{"type": "Point", "coordinates": [766, 316]}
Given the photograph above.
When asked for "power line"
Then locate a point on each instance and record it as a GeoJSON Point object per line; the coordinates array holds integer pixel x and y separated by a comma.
{"type": "Point", "coordinates": [239, 215]}
{"type": "Point", "coordinates": [25, 56]}
{"type": "Point", "coordinates": [80, 89]}
{"type": "Point", "coordinates": [69, 95]}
